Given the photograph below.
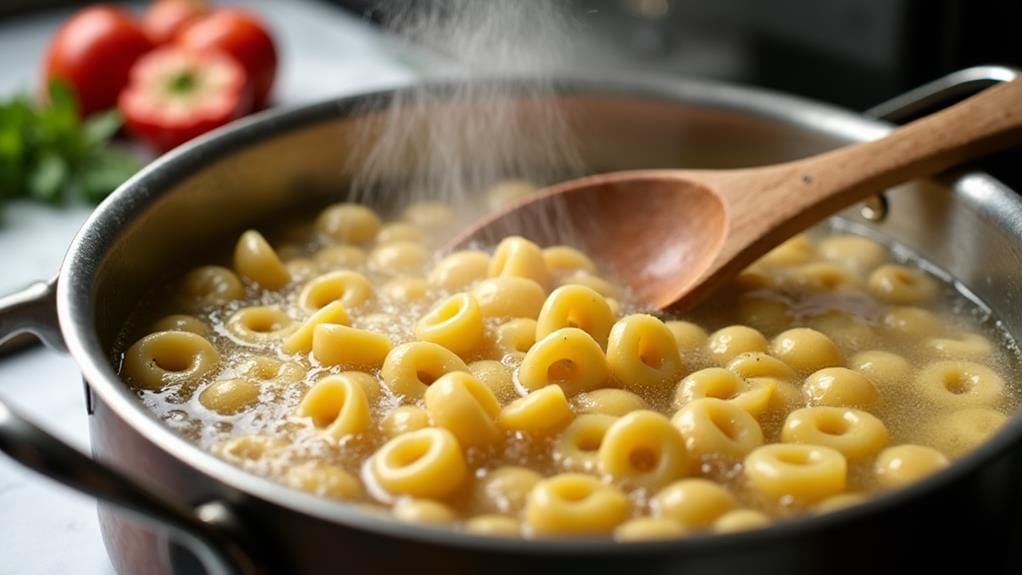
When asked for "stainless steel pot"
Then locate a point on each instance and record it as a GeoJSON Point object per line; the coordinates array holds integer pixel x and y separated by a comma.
{"type": "Point", "coordinates": [233, 522]}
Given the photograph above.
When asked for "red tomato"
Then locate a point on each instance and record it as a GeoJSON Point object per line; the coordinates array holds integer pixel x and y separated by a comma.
{"type": "Point", "coordinates": [241, 35]}
{"type": "Point", "coordinates": [165, 18]}
{"type": "Point", "coordinates": [176, 94]}
{"type": "Point", "coordinates": [94, 52]}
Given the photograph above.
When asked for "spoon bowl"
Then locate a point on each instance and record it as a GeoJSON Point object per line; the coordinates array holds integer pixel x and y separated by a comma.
{"type": "Point", "coordinates": [673, 236]}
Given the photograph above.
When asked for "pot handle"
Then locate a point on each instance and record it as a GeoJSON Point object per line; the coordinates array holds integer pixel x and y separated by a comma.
{"type": "Point", "coordinates": [32, 310]}
{"type": "Point", "coordinates": [940, 93]}
{"type": "Point", "coordinates": [205, 530]}
{"type": "Point", "coordinates": [209, 530]}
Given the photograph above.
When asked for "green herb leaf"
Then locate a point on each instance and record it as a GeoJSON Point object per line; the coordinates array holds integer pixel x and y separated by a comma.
{"type": "Point", "coordinates": [102, 173]}
{"type": "Point", "coordinates": [47, 153]}
{"type": "Point", "coordinates": [48, 177]}
{"type": "Point", "coordinates": [99, 128]}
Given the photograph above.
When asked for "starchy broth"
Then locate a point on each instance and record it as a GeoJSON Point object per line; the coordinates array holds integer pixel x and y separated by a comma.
{"type": "Point", "coordinates": [519, 391]}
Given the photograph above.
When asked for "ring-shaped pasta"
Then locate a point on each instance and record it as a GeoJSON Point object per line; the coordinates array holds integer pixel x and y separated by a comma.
{"type": "Point", "coordinates": [695, 503]}
{"type": "Point", "coordinates": [427, 463]}
{"type": "Point", "coordinates": [758, 364]}
{"type": "Point", "coordinates": [965, 429]}
{"type": "Point", "coordinates": [806, 350]}
{"type": "Point", "coordinates": [764, 313]}
{"type": "Point", "coordinates": [569, 358]}
{"type": "Point", "coordinates": [689, 336]}
{"type": "Point", "coordinates": [889, 371]}
{"type": "Point", "coordinates": [209, 285]}
{"type": "Point", "coordinates": [405, 289]}
{"type": "Point", "coordinates": [578, 445]}
{"type": "Point", "coordinates": [340, 257]}
{"type": "Point", "coordinates": [855, 252]}
{"type": "Point", "coordinates": [903, 465]}
{"type": "Point", "coordinates": [464, 406]}
{"type": "Point", "coordinates": [422, 512]}
{"type": "Point", "coordinates": [399, 258]}
{"type": "Point", "coordinates": [335, 344]}
{"type": "Point", "coordinates": [911, 323]}
{"type": "Point", "coordinates": [229, 396]}
{"type": "Point", "coordinates": [350, 288]}
{"type": "Point", "coordinates": [497, 376]}
{"type": "Point", "coordinates": [403, 419]}
{"type": "Point", "coordinates": [727, 343]}
{"type": "Point", "coordinates": [169, 358]}
{"type": "Point", "coordinates": [839, 387]}
{"type": "Point", "coordinates": [459, 270]}
{"type": "Point", "coordinates": [752, 396]}
{"type": "Point", "coordinates": [516, 336]}
{"type": "Point", "coordinates": [576, 306]}
{"type": "Point", "coordinates": [337, 405]}
{"type": "Point", "coordinates": [642, 353]}
{"type": "Point", "coordinates": [260, 325]}
{"type": "Point", "coordinates": [542, 412]}
{"type": "Point", "coordinates": [959, 384]}
{"type": "Point", "coordinates": [493, 525]}
{"type": "Point", "coordinates": [301, 340]}
{"type": "Point", "coordinates": [901, 285]}
{"type": "Point", "coordinates": [348, 223]}
{"type": "Point", "coordinates": [713, 427]}
{"type": "Point", "coordinates": [518, 257]}
{"type": "Point", "coordinates": [855, 433]}
{"type": "Point", "coordinates": [968, 346]}
{"type": "Point", "coordinates": [411, 367]}
{"type": "Point", "coordinates": [181, 322]}
{"type": "Point", "coordinates": [324, 480]}
{"type": "Point", "coordinates": [642, 449]}
{"type": "Point", "coordinates": [455, 323]}
{"type": "Point", "coordinates": [649, 529]}
{"type": "Point", "coordinates": [505, 489]}
{"type": "Point", "coordinates": [565, 260]}
{"type": "Point", "coordinates": [741, 520]}
{"type": "Point", "coordinates": [256, 260]}
{"type": "Point", "coordinates": [509, 297]}
{"type": "Point", "coordinates": [805, 474]}
{"type": "Point", "coordinates": [608, 401]}
{"type": "Point", "coordinates": [575, 504]}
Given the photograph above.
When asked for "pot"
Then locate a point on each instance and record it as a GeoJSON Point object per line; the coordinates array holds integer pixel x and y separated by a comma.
{"type": "Point", "coordinates": [166, 506]}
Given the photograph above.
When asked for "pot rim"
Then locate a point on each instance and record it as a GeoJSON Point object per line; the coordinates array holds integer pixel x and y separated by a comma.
{"type": "Point", "coordinates": [75, 286]}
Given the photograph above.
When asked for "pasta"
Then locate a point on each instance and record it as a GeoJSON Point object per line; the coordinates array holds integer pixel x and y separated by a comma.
{"type": "Point", "coordinates": [456, 323]}
{"type": "Point", "coordinates": [579, 307]}
{"type": "Point", "coordinates": [464, 406]}
{"type": "Point", "coordinates": [575, 504]}
{"type": "Point", "coordinates": [426, 463]}
{"type": "Point", "coordinates": [694, 503]}
{"type": "Point", "coordinates": [255, 259]}
{"type": "Point", "coordinates": [643, 449]}
{"type": "Point", "coordinates": [642, 353]}
{"type": "Point", "coordinates": [520, 390]}
{"type": "Point", "coordinates": [804, 473]}
{"type": "Point", "coordinates": [568, 358]}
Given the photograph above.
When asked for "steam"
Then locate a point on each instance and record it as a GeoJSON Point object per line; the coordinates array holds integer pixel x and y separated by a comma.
{"type": "Point", "coordinates": [451, 144]}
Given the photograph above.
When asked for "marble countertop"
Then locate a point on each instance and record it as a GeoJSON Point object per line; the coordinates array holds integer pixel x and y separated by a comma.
{"type": "Point", "coordinates": [44, 527]}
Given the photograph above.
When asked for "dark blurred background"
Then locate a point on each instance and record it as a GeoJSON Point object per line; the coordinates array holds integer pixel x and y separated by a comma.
{"type": "Point", "coordinates": [854, 53]}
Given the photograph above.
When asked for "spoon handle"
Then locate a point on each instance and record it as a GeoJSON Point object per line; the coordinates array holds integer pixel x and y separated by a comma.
{"type": "Point", "coordinates": [984, 123]}
{"type": "Point", "coordinates": [771, 203]}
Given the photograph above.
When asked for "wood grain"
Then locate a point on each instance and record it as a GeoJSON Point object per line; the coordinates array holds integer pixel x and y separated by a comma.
{"type": "Point", "coordinates": [674, 235]}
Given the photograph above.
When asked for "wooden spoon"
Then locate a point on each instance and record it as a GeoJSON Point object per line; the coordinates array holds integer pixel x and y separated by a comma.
{"type": "Point", "coordinates": [672, 236]}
